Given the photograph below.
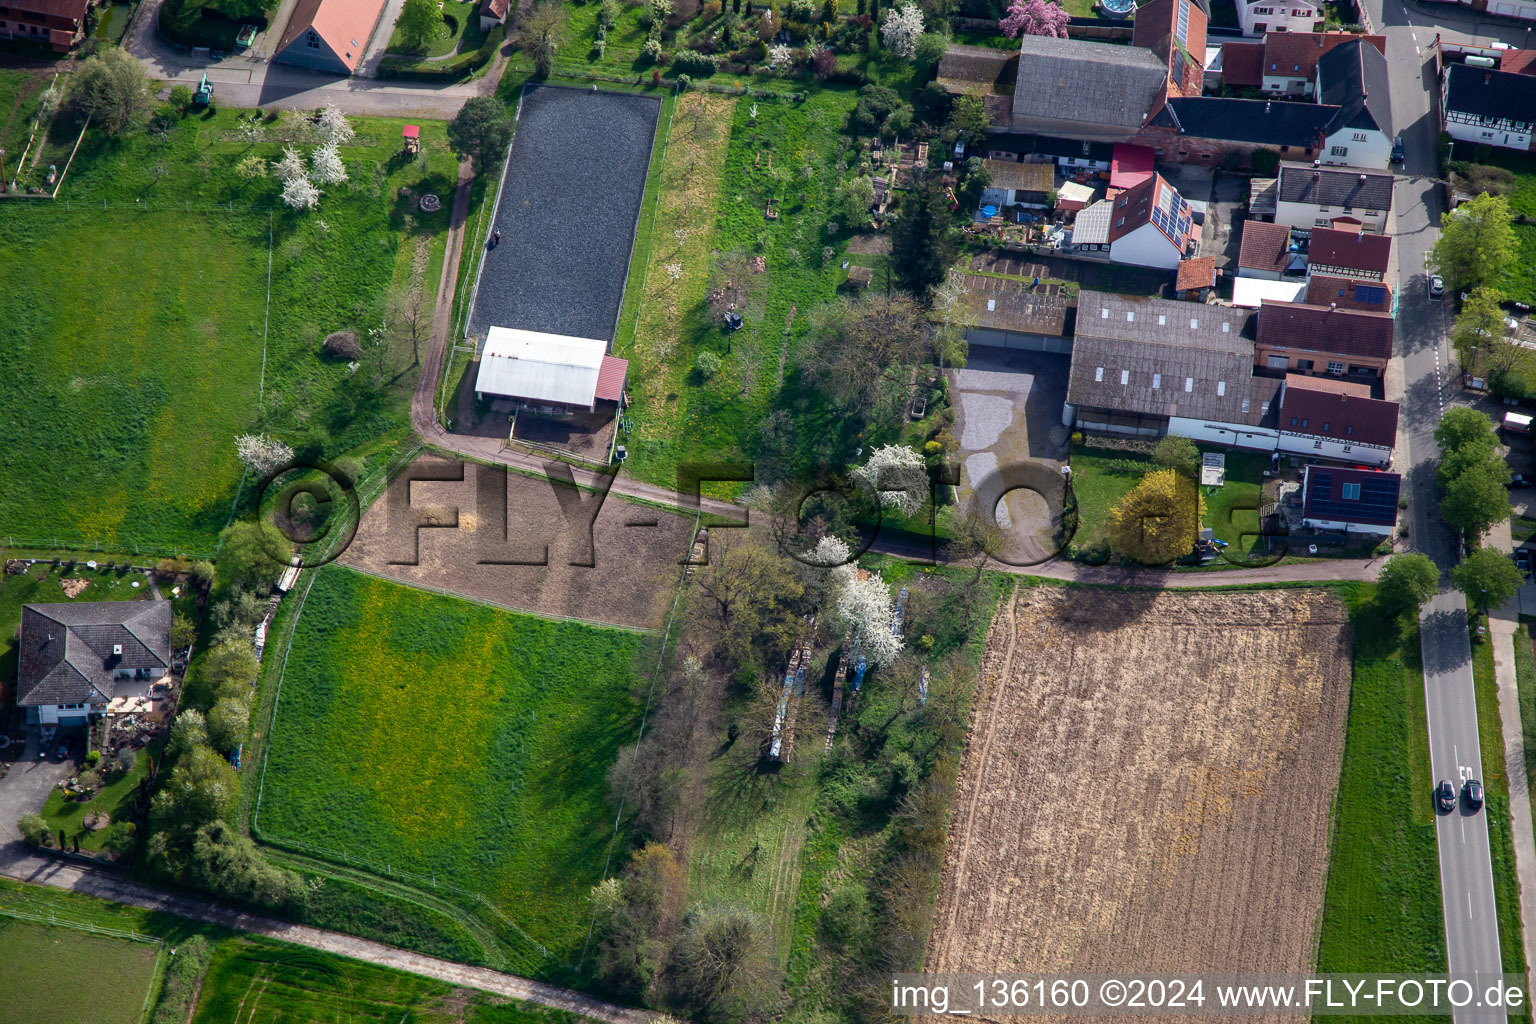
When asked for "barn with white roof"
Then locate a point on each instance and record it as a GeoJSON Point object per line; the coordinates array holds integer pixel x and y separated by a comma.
{"type": "Point", "coordinates": [552, 374]}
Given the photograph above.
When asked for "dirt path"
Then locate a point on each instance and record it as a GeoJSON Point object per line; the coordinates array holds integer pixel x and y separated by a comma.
{"type": "Point", "coordinates": [17, 863]}
{"type": "Point", "coordinates": [423, 402]}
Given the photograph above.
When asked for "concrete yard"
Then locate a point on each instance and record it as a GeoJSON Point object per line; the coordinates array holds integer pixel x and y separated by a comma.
{"type": "Point", "coordinates": [570, 200]}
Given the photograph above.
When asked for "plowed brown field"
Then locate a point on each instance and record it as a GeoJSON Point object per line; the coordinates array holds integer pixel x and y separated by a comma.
{"type": "Point", "coordinates": [1147, 784]}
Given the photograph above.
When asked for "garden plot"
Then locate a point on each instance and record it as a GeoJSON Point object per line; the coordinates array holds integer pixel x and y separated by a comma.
{"type": "Point", "coordinates": [107, 979]}
{"type": "Point", "coordinates": [429, 735]}
{"type": "Point", "coordinates": [1147, 784]}
{"type": "Point", "coordinates": [570, 198]}
{"type": "Point", "coordinates": [630, 553]}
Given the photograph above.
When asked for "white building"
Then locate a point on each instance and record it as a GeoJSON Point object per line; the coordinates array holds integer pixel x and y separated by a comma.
{"type": "Point", "coordinates": [1353, 78]}
{"type": "Point", "coordinates": [1260, 16]}
{"type": "Point", "coordinates": [1147, 225]}
{"type": "Point", "coordinates": [552, 374]}
{"type": "Point", "coordinates": [1487, 107]}
{"type": "Point", "coordinates": [1343, 198]}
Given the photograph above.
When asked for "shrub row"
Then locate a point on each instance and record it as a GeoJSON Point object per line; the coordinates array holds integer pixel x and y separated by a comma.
{"type": "Point", "coordinates": [441, 70]}
{"type": "Point", "coordinates": [182, 980]}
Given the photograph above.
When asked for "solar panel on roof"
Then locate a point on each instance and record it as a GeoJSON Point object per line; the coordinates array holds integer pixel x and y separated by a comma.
{"type": "Point", "coordinates": [1183, 26]}
{"type": "Point", "coordinates": [1377, 501]}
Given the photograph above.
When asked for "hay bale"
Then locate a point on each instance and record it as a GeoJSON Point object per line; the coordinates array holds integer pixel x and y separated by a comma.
{"type": "Point", "coordinates": [342, 345]}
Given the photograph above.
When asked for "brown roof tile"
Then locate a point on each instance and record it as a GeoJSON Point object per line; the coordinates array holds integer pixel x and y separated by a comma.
{"type": "Point", "coordinates": [1375, 296]}
{"type": "Point", "coordinates": [1266, 246]}
{"type": "Point", "coordinates": [1242, 63]}
{"type": "Point", "coordinates": [1199, 272]}
{"type": "Point", "coordinates": [1355, 250]}
{"type": "Point", "coordinates": [1325, 413]}
{"type": "Point", "coordinates": [1345, 332]}
{"type": "Point", "coordinates": [1295, 54]}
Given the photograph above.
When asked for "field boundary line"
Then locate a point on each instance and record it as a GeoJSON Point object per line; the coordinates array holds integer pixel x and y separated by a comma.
{"type": "Point", "coordinates": [261, 387]}
{"type": "Point", "coordinates": [645, 270]}
{"type": "Point", "coordinates": [53, 920]}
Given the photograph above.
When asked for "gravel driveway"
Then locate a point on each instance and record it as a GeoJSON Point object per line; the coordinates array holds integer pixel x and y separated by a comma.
{"type": "Point", "coordinates": [25, 788]}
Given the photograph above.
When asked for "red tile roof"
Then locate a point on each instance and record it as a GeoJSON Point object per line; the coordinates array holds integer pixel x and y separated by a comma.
{"type": "Point", "coordinates": [1343, 332]}
{"type": "Point", "coordinates": [1356, 250]}
{"type": "Point", "coordinates": [1295, 54]}
{"type": "Point", "coordinates": [1333, 385]}
{"type": "Point", "coordinates": [610, 378]}
{"type": "Point", "coordinates": [1520, 62]}
{"type": "Point", "coordinates": [1134, 207]}
{"type": "Point", "coordinates": [345, 25]}
{"type": "Point", "coordinates": [74, 10]}
{"type": "Point", "coordinates": [1265, 246]}
{"type": "Point", "coordinates": [1242, 63]}
{"type": "Point", "coordinates": [1199, 272]}
{"type": "Point", "coordinates": [1156, 27]}
{"type": "Point", "coordinates": [494, 8]}
{"type": "Point", "coordinates": [1346, 293]}
{"type": "Point", "coordinates": [1325, 413]}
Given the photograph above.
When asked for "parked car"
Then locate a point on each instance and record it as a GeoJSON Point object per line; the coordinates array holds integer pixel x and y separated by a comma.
{"type": "Point", "coordinates": [1397, 150]}
{"type": "Point", "coordinates": [1523, 560]}
{"type": "Point", "coordinates": [1436, 286]}
{"type": "Point", "coordinates": [1445, 796]}
{"type": "Point", "coordinates": [1473, 791]}
{"type": "Point", "coordinates": [1518, 481]}
{"type": "Point", "coordinates": [61, 751]}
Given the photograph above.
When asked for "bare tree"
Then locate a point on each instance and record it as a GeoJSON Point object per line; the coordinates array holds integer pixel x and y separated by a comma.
{"type": "Point", "coordinates": [411, 318]}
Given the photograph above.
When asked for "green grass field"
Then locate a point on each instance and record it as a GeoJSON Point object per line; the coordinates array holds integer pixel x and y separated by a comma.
{"type": "Point", "coordinates": [1525, 673]}
{"type": "Point", "coordinates": [133, 365]}
{"type": "Point", "coordinates": [1382, 908]}
{"type": "Point", "coordinates": [432, 735]}
{"type": "Point", "coordinates": [466, 37]}
{"type": "Point", "coordinates": [1490, 735]}
{"type": "Point", "coordinates": [49, 975]}
{"type": "Point", "coordinates": [20, 92]}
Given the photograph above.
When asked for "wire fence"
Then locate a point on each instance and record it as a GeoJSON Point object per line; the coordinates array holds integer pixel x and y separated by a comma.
{"type": "Point", "coordinates": [68, 543]}
{"type": "Point", "coordinates": [53, 920]}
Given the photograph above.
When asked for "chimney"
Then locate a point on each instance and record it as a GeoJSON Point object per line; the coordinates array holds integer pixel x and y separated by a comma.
{"type": "Point", "coordinates": [1362, 178]}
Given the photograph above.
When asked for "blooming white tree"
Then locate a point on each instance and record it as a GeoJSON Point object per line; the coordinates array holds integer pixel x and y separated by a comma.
{"type": "Point", "coordinates": [864, 608]}
{"type": "Point", "coordinates": [325, 166]}
{"type": "Point", "coordinates": [901, 29]}
{"type": "Point", "coordinates": [301, 194]}
{"type": "Point", "coordinates": [896, 473]}
{"type": "Point", "coordinates": [262, 453]}
{"type": "Point", "coordinates": [291, 166]}
{"type": "Point", "coordinates": [334, 126]}
{"type": "Point", "coordinates": [779, 56]}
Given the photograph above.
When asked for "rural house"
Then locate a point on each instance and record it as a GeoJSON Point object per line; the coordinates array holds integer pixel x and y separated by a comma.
{"type": "Point", "coordinates": [1209, 129]}
{"type": "Point", "coordinates": [76, 657]}
{"type": "Point", "coordinates": [1256, 17]}
{"type": "Point", "coordinates": [1267, 252]}
{"type": "Point", "coordinates": [1373, 296]}
{"type": "Point", "coordinates": [1300, 338]}
{"type": "Point", "coordinates": [1194, 279]}
{"type": "Point", "coordinates": [492, 13]}
{"type": "Point", "coordinates": [1149, 225]}
{"type": "Point", "coordinates": [984, 72]}
{"type": "Point", "coordinates": [58, 24]}
{"type": "Point", "coordinates": [1346, 198]}
{"type": "Point", "coordinates": [328, 35]}
{"type": "Point", "coordinates": [1353, 78]}
{"type": "Point", "coordinates": [1351, 500]}
{"type": "Point", "coordinates": [1285, 63]}
{"type": "Point", "coordinates": [1355, 254]}
{"type": "Point", "coordinates": [1017, 183]}
{"type": "Point", "coordinates": [1085, 90]}
{"type": "Point", "coordinates": [1335, 419]}
{"type": "Point", "coordinates": [1174, 30]}
{"type": "Point", "coordinates": [549, 373]}
{"type": "Point", "coordinates": [1493, 108]}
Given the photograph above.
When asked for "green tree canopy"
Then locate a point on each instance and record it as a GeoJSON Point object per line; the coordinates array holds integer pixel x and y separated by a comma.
{"type": "Point", "coordinates": [228, 670]}
{"type": "Point", "coordinates": [1480, 325]}
{"type": "Point", "coordinates": [1158, 520]}
{"type": "Point", "coordinates": [1463, 427]}
{"type": "Point", "coordinates": [418, 23]}
{"type": "Point", "coordinates": [1477, 243]}
{"type": "Point", "coordinates": [863, 351]}
{"type": "Point", "coordinates": [112, 89]}
{"type": "Point", "coordinates": [1488, 578]}
{"type": "Point", "coordinates": [1407, 581]}
{"type": "Point", "coordinates": [228, 722]}
{"type": "Point", "coordinates": [1180, 453]}
{"type": "Point", "coordinates": [481, 132]}
{"type": "Point", "coordinates": [1476, 498]}
{"type": "Point", "coordinates": [250, 556]}
{"type": "Point", "coordinates": [923, 242]}
{"type": "Point", "coordinates": [202, 788]}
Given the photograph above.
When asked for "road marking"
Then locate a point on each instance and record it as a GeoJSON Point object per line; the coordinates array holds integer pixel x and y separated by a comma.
{"type": "Point", "coordinates": [1469, 904]}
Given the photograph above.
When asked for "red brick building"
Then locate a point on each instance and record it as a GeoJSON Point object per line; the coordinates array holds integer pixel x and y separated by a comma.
{"type": "Point", "coordinates": [58, 24]}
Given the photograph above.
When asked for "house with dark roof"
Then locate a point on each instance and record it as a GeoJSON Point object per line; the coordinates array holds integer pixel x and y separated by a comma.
{"type": "Point", "coordinates": [1346, 198]}
{"type": "Point", "coordinates": [328, 35]}
{"type": "Point", "coordinates": [1008, 313]}
{"type": "Point", "coordinates": [75, 658]}
{"type": "Point", "coordinates": [1174, 30]}
{"type": "Point", "coordinates": [1345, 293]}
{"type": "Point", "coordinates": [1336, 419]}
{"type": "Point", "coordinates": [982, 71]}
{"type": "Point", "coordinates": [1351, 500]}
{"type": "Point", "coordinates": [1487, 107]}
{"type": "Point", "coordinates": [1353, 78]}
{"type": "Point", "coordinates": [1267, 252]}
{"type": "Point", "coordinates": [1357, 254]}
{"type": "Point", "coordinates": [1086, 90]}
{"type": "Point", "coordinates": [1203, 129]}
{"type": "Point", "coordinates": [56, 24]}
{"type": "Point", "coordinates": [1289, 63]}
{"type": "Point", "coordinates": [1300, 338]}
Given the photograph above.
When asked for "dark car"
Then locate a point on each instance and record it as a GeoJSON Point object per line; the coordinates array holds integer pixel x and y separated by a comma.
{"type": "Point", "coordinates": [1518, 481]}
{"type": "Point", "coordinates": [61, 752]}
{"type": "Point", "coordinates": [1523, 560]}
{"type": "Point", "coordinates": [1397, 150]}
{"type": "Point", "coordinates": [1445, 796]}
{"type": "Point", "coordinates": [1473, 790]}
{"type": "Point", "coordinates": [1436, 286]}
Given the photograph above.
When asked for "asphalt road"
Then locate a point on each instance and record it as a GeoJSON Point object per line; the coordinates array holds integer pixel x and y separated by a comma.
{"type": "Point", "coordinates": [1429, 386]}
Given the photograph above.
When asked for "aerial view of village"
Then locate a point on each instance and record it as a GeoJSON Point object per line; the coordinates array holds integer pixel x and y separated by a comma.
{"type": "Point", "coordinates": [766, 511]}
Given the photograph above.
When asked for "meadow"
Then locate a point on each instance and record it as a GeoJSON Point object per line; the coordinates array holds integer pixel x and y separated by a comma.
{"type": "Point", "coordinates": [52, 974]}
{"type": "Point", "coordinates": [427, 734]}
{"type": "Point", "coordinates": [134, 364]}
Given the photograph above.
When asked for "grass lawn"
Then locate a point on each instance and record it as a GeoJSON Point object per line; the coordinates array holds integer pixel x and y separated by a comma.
{"type": "Point", "coordinates": [132, 366]}
{"type": "Point", "coordinates": [459, 33]}
{"type": "Point", "coordinates": [1382, 908]}
{"type": "Point", "coordinates": [117, 799]}
{"type": "Point", "coordinates": [1232, 512]}
{"type": "Point", "coordinates": [432, 735]}
{"type": "Point", "coordinates": [1506, 892]}
{"type": "Point", "coordinates": [54, 974]}
{"type": "Point", "coordinates": [20, 92]}
{"type": "Point", "coordinates": [257, 981]}
{"type": "Point", "coordinates": [1100, 478]}
{"type": "Point", "coordinates": [1525, 673]}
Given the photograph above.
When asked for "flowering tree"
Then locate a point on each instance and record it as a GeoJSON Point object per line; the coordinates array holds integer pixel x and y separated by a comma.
{"type": "Point", "coordinates": [1035, 18]}
{"type": "Point", "coordinates": [824, 61]}
{"type": "Point", "coordinates": [301, 194]}
{"type": "Point", "coordinates": [896, 473]}
{"type": "Point", "coordinates": [903, 25]}
{"type": "Point", "coordinates": [779, 56]}
{"type": "Point", "coordinates": [334, 126]}
{"type": "Point", "coordinates": [326, 167]}
{"type": "Point", "coordinates": [262, 453]}
{"type": "Point", "coordinates": [291, 166]}
{"type": "Point", "coordinates": [864, 609]}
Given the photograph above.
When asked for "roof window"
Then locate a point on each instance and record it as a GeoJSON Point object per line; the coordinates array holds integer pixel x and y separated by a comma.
{"type": "Point", "coordinates": [1194, 324]}
{"type": "Point", "coordinates": [1221, 388]}
{"type": "Point", "coordinates": [1130, 316]}
{"type": "Point", "coordinates": [1157, 380]}
{"type": "Point", "coordinates": [1189, 383]}
{"type": "Point", "coordinates": [1098, 373]}
{"type": "Point", "coordinates": [1125, 376]}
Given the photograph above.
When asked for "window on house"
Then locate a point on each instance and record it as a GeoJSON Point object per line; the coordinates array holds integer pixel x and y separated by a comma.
{"type": "Point", "coordinates": [1325, 426]}
{"type": "Point", "coordinates": [1359, 136]}
{"type": "Point", "coordinates": [1349, 429]}
{"type": "Point", "coordinates": [70, 707]}
{"type": "Point", "coordinates": [1487, 135]}
{"type": "Point", "coordinates": [312, 41]}
{"type": "Point", "coordinates": [1098, 373]}
{"type": "Point", "coordinates": [1339, 151]}
{"type": "Point", "coordinates": [1303, 423]}
{"type": "Point", "coordinates": [1349, 209]}
{"type": "Point", "coordinates": [1321, 222]}
{"type": "Point", "coordinates": [1162, 319]}
{"type": "Point", "coordinates": [1157, 380]}
{"type": "Point", "coordinates": [1245, 405]}
{"type": "Point", "coordinates": [1303, 364]}
{"type": "Point", "coordinates": [1194, 324]}
{"type": "Point", "coordinates": [1130, 316]}
{"type": "Point", "coordinates": [1103, 314]}
{"type": "Point", "coordinates": [1293, 421]}
{"type": "Point", "coordinates": [1189, 383]}
{"type": "Point", "coordinates": [1335, 367]}
{"type": "Point", "coordinates": [1317, 444]}
{"type": "Point", "coordinates": [1264, 409]}
{"type": "Point", "coordinates": [1221, 388]}
{"type": "Point", "coordinates": [1125, 376]}
{"type": "Point", "coordinates": [1120, 222]}
{"type": "Point", "coordinates": [1347, 448]}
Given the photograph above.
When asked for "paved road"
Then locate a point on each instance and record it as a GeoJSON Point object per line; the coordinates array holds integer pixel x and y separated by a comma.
{"type": "Point", "coordinates": [18, 863]}
{"type": "Point", "coordinates": [1427, 386]}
